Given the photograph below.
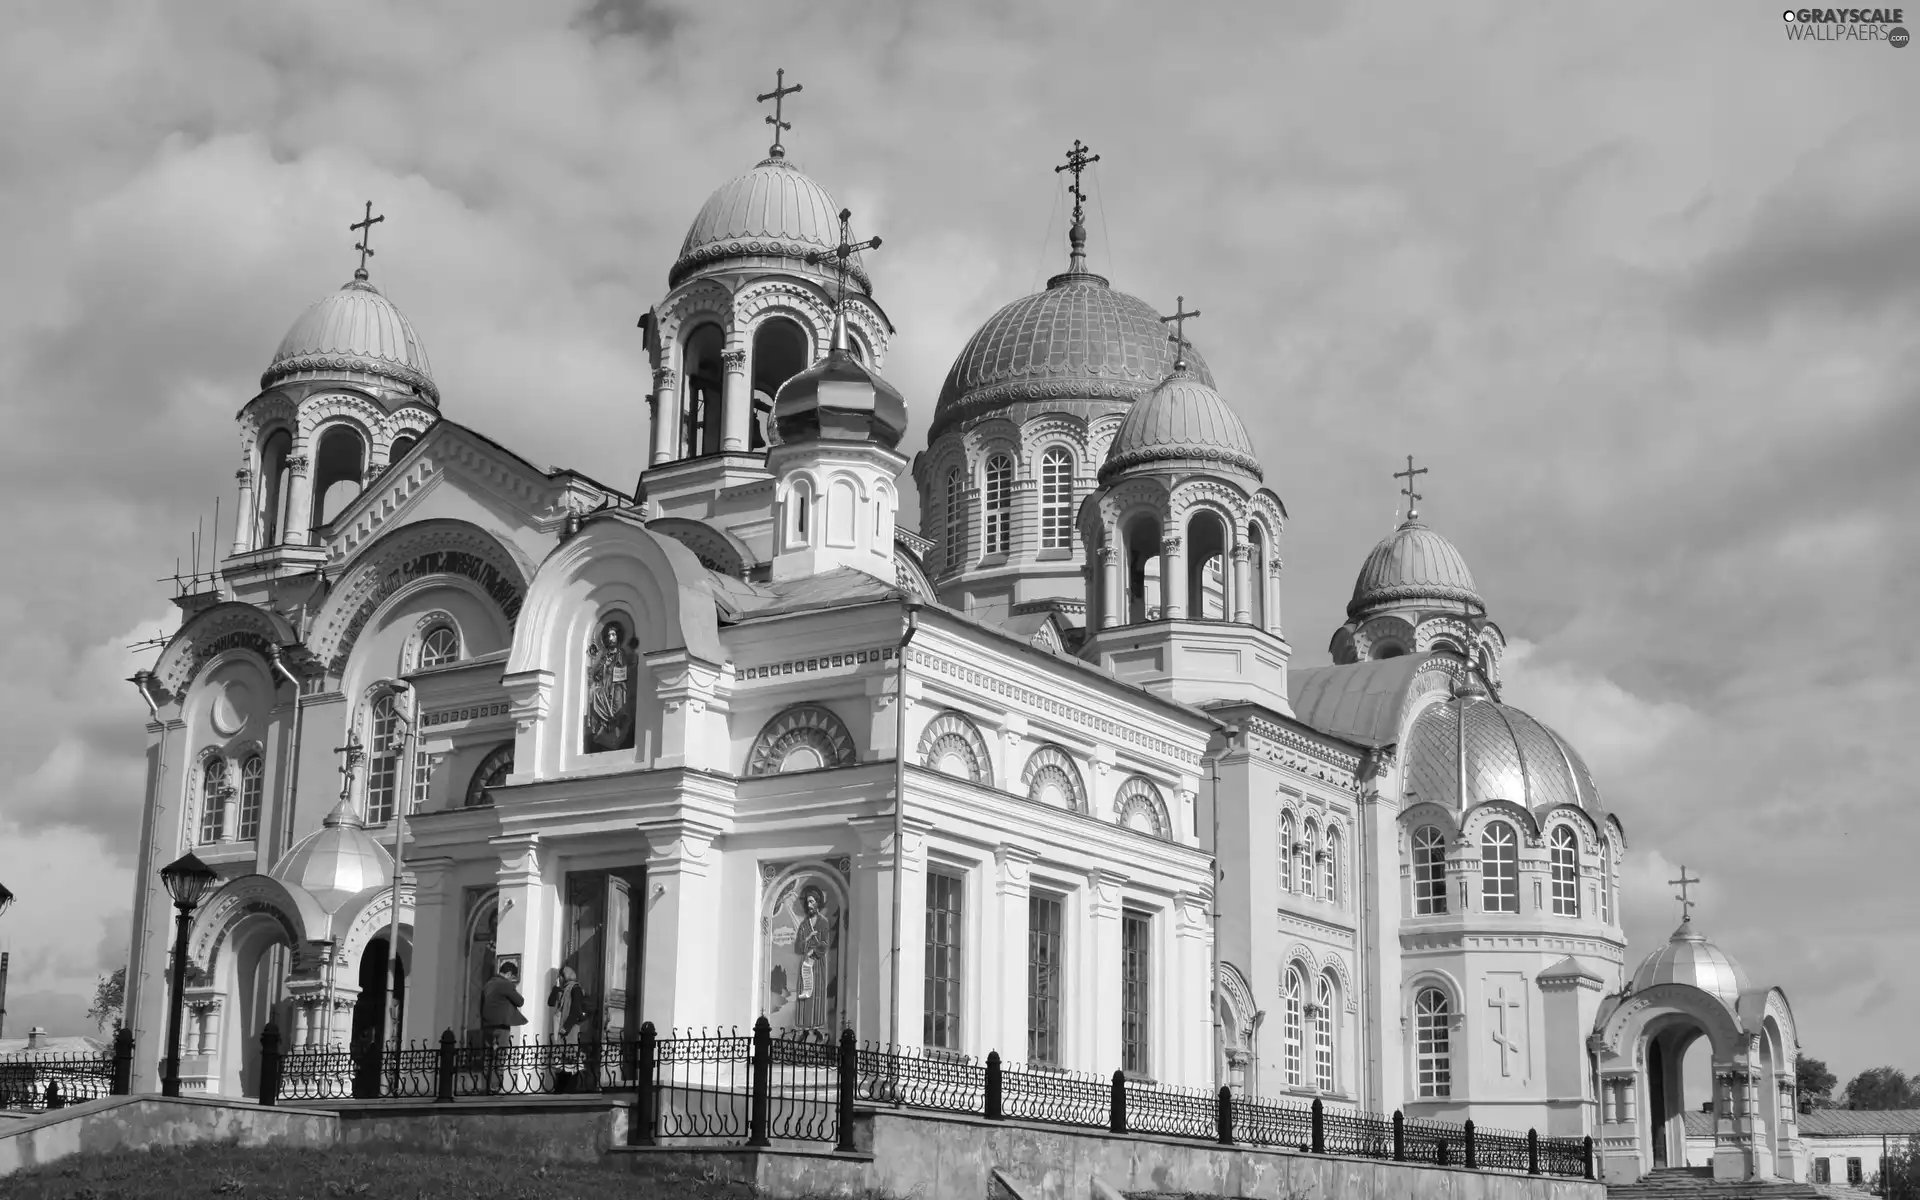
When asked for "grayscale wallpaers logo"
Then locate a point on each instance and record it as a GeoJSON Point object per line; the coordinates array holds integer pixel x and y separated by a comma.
{"type": "Point", "coordinates": [1847, 25]}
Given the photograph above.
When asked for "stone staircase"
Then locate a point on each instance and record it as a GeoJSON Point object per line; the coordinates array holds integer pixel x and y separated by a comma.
{"type": "Point", "coordinates": [1697, 1183]}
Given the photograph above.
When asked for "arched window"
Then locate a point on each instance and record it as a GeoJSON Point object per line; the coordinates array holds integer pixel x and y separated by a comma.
{"type": "Point", "coordinates": [1208, 589]}
{"type": "Point", "coordinates": [401, 445]}
{"type": "Point", "coordinates": [798, 500]}
{"type": "Point", "coordinates": [1309, 846]}
{"type": "Point", "coordinates": [492, 772]}
{"type": "Point", "coordinates": [1429, 871]}
{"type": "Point", "coordinates": [271, 499]}
{"type": "Point", "coordinates": [1499, 869]}
{"type": "Point", "coordinates": [702, 376]}
{"type": "Point", "coordinates": [1323, 1034]}
{"type": "Point", "coordinates": [956, 516]}
{"type": "Point", "coordinates": [251, 778]}
{"type": "Point", "coordinates": [339, 466]}
{"type": "Point", "coordinates": [383, 759]}
{"type": "Point", "coordinates": [440, 647]}
{"type": "Point", "coordinates": [1056, 499]}
{"type": "Point", "coordinates": [1330, 869]}
{"type": "Point", "coordinates": [1433, 1066]}
{"type": "Point", "coordinates": [780, 351]}
{"type": "Point", "coordinates": [999, 504]}
{"type": "Point", "coordinates": [1141, 573]}
{"type": "Point", "coordinates": [213, 797]}
{"type": "Point", "coordinates": [1290, 994]}
{"type": "Point", "coordinates": [1566, 873]}
{"type": "Point", "coordinates": [1256, 576]}
{"type": "Point", "coordinates": [1286, 852]}
{"type": "Point", "coordinates": [1606, 883]}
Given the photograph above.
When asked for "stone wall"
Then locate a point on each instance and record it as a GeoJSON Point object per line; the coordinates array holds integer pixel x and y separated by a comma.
{"type": "Point", "coordinates": [144, 1122]}
{"type": "Point", "coordinates": [553, 1128]}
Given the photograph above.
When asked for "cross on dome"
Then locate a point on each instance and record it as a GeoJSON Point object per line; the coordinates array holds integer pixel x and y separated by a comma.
{"type": "Point", "coordinates": [1686, 903]}
{"type": "Point", "coordinates": [1412, 496]}
{"type": "Point", "coordinates": [365, 228]}
{"type": "Point", "coordinates": [350, 756]}
{"type": "Point", "coordinates": [1179, 322]}
{"type": "Point", "coordinates": [778, 95]}
{"type": "Point", "coordinates": [1077, 161]}
{"type": "Point", "coordinates": [841, 256]}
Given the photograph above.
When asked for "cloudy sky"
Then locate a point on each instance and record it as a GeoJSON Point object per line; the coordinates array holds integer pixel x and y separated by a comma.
{"type": "Point", "coordinates": [1637, 281]}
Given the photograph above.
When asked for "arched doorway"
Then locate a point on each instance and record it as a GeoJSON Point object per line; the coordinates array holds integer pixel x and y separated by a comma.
{"type": "Point", "coordinates": [378, 1012]}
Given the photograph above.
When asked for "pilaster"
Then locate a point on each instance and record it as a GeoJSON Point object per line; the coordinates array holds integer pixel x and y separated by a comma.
{"type": "Point", "coordinates": [436, 964]}
{"type": "Point", "coordinates": [299, 530]}
{"type": "Point", "coordinates": [1098, 1031]}
{"type": "Point", "coordinates": [666, 415]}
{"type": "Point", "coordinates": [679, 989]}
{"type": "Point", "coordinates": [693, 724]}
{"type": "Point", "coordinates": [1188, 1055]}
{"type": "Point", "coordinates": [1003, 1025]}
{"type": "Point", "coordinates": [1242, 598]}
{"type": "Point", "coordinates": [523, 908]}
{"type": "Point", "coordinates": [529, 695]}
{"type": "Point", "coordinates": [736, 403]}
{"type": "Point", "coordinates": [1173, 580]}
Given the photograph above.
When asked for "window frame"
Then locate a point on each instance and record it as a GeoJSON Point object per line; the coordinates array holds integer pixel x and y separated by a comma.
{"type": "Point", "coordinates": [383, 759]}
{"type": "Point", "coordinates": [252, 791]}
{"type": "Point", "coordinates": [1293, 1026]}
{"type": "Point", "coordinates": [998, 506]}
{"type": "Point", "coordinates": [1323, 1062]}
{"type": "Point", "coordinates": [1045, 978]}
{"type": "Point", "coordinates": [1136, 991]}
{"type": "Point", "coordinates": [1287, 839]}
{"type": "Point", "coordinates": [1433, 1044]}
{"type": "Point", "coordinates": [956, 519]}
{"type": "Point", "coordinates": [427, 657]}
{"type": "Point", "coordinates": [1056, 498]}
{"type": "Point", "coordinates": [1429, 872]}
{"type": "Point", "coordinates": [1499, 868]}
{"type": "Point", "coordinates": [944, 973]}
{"type": "Point", "coordinates": [1563, 849]}
{"type": "Point", "coordinates": [214, 791]}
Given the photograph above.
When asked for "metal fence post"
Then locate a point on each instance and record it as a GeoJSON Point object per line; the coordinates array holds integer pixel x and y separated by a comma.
{"type": "Point", "coordinates": [444, 1068]}
{"type": "Point", "coordinates": [1117, 1104]}
{"type": "Point", "coordinates": [122, 1062]}
{"type": "Point", "coordinates": [1587, 1151]}
{"type": "Point", "coordinates": [757, 1104]}
{"type": "Point", "coordinates": [1533, 1152]}
{"type": "Point", "coordinates": [849, 1082]}
{"type": "Point", "coordinates": [1399, 1136]}
{"type": "Point", "coordinates": [1319, 1128]}
{"type": "Point", "coordinates": [1473, 1162]}
{"type": "Point", "coordinates": [993, 1105]}
{"type": "Point", "coordinates": [640, 1131]}
{"type": "Point", "coordinates": [1223, 1117]}
{"type": "Point", "coordinates": [270, 1065]}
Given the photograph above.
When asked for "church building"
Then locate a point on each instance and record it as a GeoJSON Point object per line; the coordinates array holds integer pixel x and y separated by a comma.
{"type": "Point", "coordinates": [1036, 778]}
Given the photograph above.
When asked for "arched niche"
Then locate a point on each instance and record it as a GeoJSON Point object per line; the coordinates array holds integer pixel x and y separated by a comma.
{"type": "Point", "coordinates": [803, 950]}
{"type": "Point", "coordinates": [781, 350]}
{"type": "Point", "coordinates": [491, 773]}
{"type": "Point", "coordinates": [1052, 778]}
{"type": "Point", "coordinates": [805, 737]}
{"type": "Point", "coordinates": [951, 744]}
{"type": "Point", "coordinates": [339, 468]}
{"type": "Point", "coordinates": [1140, 545]}
{"type": "Point", "coordinates": [270, 496]}
{"type": "Point", "coordinates": [1138, 806]}
{"type": "Point", "coordinates": [702, 379]}
{"type": "Point", "coordinates": [1208, 574]}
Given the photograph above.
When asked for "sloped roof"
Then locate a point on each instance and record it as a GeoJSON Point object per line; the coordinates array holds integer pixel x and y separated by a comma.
{"type": "Point", "coordinates": [1834, 1123]}
{"type": "Point", "coordinates": [1360, 702]}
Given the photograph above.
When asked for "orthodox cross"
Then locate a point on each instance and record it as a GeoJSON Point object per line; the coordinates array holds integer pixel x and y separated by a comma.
{"type": "Point", "coordinates": [351, 754]}
{"type": "Point", "coordinates": [1683, 883]}
{"type": "Point", "coordinates": [1499, 1003]}
{"type": "Point", "coordinates": [1410, 475]}
{"type": "Point", "coordinates": [365, 228]}
{"type": "Point", "coordinates": [1179, 322]}
{"type": "Point", "coordinates": [778, 95]}
{"type": "Point", "coordinates": [842, 254]}
{"type": "Point", "coordinates": [1077, 161]}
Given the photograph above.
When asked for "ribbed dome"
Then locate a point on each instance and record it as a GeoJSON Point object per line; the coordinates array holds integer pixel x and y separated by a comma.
{"type": "Point", "coordinates": [337, 862]}
{"type": "Point", "coordinates": [1079, 339]}
{"type": "Point", "coordinates": [356, 331]}
{"type": "Point", "coordinates": [1693, 960]}
{"type": "Point", "coordinates": [774, 211]}
{"type": "Point", "coordinates": [1183, 423]}
{"type": "Point", "coordinates": [1413, 563]}
{"type": "Point", "coordinates": [1510, 756]}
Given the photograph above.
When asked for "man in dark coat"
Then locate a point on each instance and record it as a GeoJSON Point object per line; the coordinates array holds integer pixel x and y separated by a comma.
{"type": "Point", "coordinates": [500, 1003]}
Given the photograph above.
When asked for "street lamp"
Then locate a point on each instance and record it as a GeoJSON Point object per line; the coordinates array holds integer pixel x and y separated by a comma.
{"type": "Point", "coordinates": [187, 879]}
{"type": "Point", "coordinates": [6, 899]}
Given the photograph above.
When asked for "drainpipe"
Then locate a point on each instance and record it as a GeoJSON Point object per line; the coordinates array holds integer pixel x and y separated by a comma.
{"type": "Point", "coordinates": [1364, 893]}
{"type": "Point", "coordinates": [899, 809]}
{"type": "Point", "coordinates": [293, 749]}
{"type": "Point", "coordinates": [408, 742]}
{"type": "Point", "coordinates": [144, 887]}
{"type": "Point", "coordinates": [1231, 733]}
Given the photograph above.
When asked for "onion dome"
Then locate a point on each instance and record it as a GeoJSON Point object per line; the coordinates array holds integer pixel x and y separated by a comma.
{"type": "Point", "coordinates": [1413, 564]}
{"type": "Point", "coordinates": [337, 862]}
{"type": "Point", "coordinates": [840, 399]}
{"type": "Point", "coordinates": [1510, 756]}
{"type": "Point", "coordinates": [1183, 425]}
{"type": "Point", "coordinates": [1693, 960]}
{"type": "Point", "coordinates": [773, 212]}
{"type": "Point", "coordinates": [354, 331]}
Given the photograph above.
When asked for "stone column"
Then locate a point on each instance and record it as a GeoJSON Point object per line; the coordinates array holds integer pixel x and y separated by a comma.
{"type": "Point", "coordinates": [1273, 599]}
{"type": "Point", "coordinates": [736, 401]}
{"type": "Point", "coordinates": [1003, 1024]}
{"type": "Point", "coordinates": [1242, 598]}
{"type": "Point", "coordinates": [1097, 1036]}
{"type": "Point", "coordinates": [521, 933]}
{"type": "Point", "coordinates": [1112, 601]}
{"type": "Point", "coordinates": [299, 520]}
{"type": "Point", "coordinates": [666, 415]}
{"type": "Point", "coordinates": [433, 986]}
{"type": "Point", "coordinates": [243, 516]}
{"type": "Point", "coordinates": [681, 969]}
{"type": "Point", "coordinates": [1173, 578]}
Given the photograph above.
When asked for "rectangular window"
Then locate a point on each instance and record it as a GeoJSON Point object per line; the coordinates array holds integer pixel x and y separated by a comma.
{"type": "Point", "coordinates": [1435, 1060]}
{"type": "Point", "coordinates": [1853, 1170]}
{"type": "Point", "coordinates": [1136, 931]}
{"type": "Point", "coordinates": [942, 1022]}
{"type": "Point", "coordinates": [422, 778]}
{"type": "Point", "coordinates": [1822, 1171]}
{"type": "Point", "coordinates": [1044, 921]}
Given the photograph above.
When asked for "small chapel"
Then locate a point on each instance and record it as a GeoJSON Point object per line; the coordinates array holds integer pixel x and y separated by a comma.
{"type": "Point", "coordinates": [1038, 777]}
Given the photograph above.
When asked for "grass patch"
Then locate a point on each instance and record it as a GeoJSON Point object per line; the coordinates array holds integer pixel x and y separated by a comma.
{"type": "Point", "coordinates": [355, 1173]}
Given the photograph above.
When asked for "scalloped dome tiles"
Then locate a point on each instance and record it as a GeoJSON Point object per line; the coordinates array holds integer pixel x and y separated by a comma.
{"type": "Point", "coordinates": [1510, 756]}
{"type": "Point", "coordinates": [773, 211]}
{"type": "Point", "coordinates": [355, 330]}
{"type": "Point", "coordinates": [1079, 339]}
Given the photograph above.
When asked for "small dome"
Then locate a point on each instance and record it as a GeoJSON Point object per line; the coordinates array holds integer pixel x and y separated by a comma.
{"type": "Point", "coordinates": [355, 331]}
{"type": "Point", "coordinates": [1079, 339]}
{"type": "Point", "coordinates": [1693, 960]}
{"type": "Point", "coordinates": [774, 211]}
{"type": "Point", "coordinates": [840, 399]}
{"type": "Point", "coordinates": [1412, 564]}
{"type": "Point", "coordinates": [337, 862]}
{"type": "Point", "coordinates": [1510, 756]}
{"type": "Point", "coordinates": [1184, 423]}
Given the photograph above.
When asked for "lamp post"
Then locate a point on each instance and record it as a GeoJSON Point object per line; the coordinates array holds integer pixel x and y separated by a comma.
{"type": "Point", "coordinates": [6, 900]}
{"type": "Point", "coordinates": [404, 787]}
{"type": "Point", "coordinates": [187, 879]}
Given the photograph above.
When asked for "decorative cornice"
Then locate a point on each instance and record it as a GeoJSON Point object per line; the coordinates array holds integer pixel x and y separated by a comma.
{"type": "Point", "coordinates": [876, 656]}
{"type": "Point", "coordinates": [1308, 756]}
{"type": "Point", "coordinates": [448, 716]}
{"type": "Point", "coordinates": [1207, 456]}
{"type": "Point", "coordinates": [351, 364]}
{"type": "Point", "coordinates": [763, 247]}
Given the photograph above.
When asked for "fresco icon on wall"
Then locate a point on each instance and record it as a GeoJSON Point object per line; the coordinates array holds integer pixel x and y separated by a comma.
{"type": "Point", "coordinates": [803, 929]}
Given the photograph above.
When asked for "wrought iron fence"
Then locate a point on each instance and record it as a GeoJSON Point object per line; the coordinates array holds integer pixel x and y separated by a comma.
{"type": "Point", "coordinates": [35, 1081]}
{"type": "Point", "coordinates": [753, 1087]}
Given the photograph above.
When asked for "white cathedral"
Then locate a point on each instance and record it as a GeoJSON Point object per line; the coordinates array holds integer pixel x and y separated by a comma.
{"type": "Point", "coordinates": [1035, 779]}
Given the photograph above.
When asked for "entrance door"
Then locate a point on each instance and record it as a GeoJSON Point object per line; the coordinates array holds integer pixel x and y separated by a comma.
{"type": "Point", "coordinates": [1657, 1102]}
{"type": "Point", "coordinates": [604, 932]}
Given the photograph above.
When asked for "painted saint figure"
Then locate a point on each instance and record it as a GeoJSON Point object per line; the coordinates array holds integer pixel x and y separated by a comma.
{"type": "Point", "coordinates": [812, 942]}
{"type": "Point", "coordinates": [802, 930]}
{"type": "Point", "coordinates": [610, 690]}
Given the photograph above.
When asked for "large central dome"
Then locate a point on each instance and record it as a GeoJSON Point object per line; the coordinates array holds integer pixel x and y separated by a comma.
{"type": "Point", "coordinates": [773, 212]}
{"type": "Point", "coordinates": [1079, 339]}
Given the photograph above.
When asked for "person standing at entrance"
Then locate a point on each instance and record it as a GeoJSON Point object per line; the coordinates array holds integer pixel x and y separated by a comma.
{"type": "Point", "coordinates": [570, 1012]}
{"type": "Point", "coordinates": [500, 1013]}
